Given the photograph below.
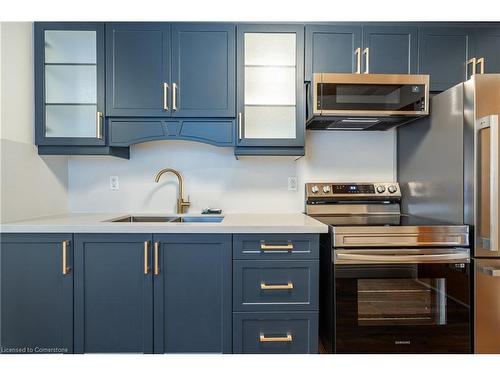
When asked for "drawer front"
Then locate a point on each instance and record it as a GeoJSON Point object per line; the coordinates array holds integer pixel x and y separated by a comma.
{"type": "Point", "coordinates": [276, 246]}
{"type": "Point", "coordinates": [275, 285]}
{"type": "Point", "coordinates": [275, 332]}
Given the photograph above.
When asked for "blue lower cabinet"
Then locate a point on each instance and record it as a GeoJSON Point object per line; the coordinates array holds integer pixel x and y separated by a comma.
{"type": "Point", "coordinates": [275, 332]}
{"type": "Point", "coordinates": [279, 246]}
{"type": "Point", "coordinates": [36, 280]}
{"type": "Point", "coordinates": [192, 293]}
{"type": "Point", "coordinates": [113, 293]}
{"type": "Point", "coordinates": [275, 293]}
{"type": "Point", "coordinates": [275, 285]}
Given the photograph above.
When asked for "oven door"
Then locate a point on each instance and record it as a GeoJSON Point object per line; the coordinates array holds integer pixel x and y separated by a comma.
{"type": "Point", "coordinates": [402, 301]}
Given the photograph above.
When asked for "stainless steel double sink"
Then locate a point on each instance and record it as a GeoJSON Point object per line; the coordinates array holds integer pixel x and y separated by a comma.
{"type": "Point", "coordinates": [167, 219]}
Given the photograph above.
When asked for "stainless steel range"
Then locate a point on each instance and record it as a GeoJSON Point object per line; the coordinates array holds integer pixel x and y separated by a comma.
{"type": "Point", "coordinates": [390, 283]}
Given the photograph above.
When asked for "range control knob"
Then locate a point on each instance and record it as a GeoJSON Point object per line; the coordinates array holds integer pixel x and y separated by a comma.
{"type": "Point", "coordinates": [314, 189]}
{"type": "Point", "coordinates": [380, 189]}
{"type": "Point", "coordinates": [392, 189]}
{"type": "Point", "coordinates": [326, 189]}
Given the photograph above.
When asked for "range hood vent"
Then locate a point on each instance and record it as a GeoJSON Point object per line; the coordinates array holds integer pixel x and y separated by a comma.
{"type": "Point", "coordinates": [357, 123]}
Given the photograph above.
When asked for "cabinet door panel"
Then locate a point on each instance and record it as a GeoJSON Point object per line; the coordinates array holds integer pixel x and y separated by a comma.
{"type": "Point", "coordinates": [203, 69]}
{"type": "Point", "coordinates": [36, 297]}
{"type": "Point", "coordinates": [69, 61]}
{"type": "Point", "coordinates": [330, 49]}
{"type": "Point", "coordinates": [270, 79]}
{"type": "Point", "coordinates": [138, 63]}
{"type": "Point", "coordinates": [488, 46]}
{"type": "Point", "coordinates": [443, 53]}
{"type": "Point", "coordinates": [293, 332]}
{"type": "Point", "coordinates": [392, 49]}
{"type": "Point", "coordinates": [193, 294]}
{"type": "Point", "coordinates": [113, 294]}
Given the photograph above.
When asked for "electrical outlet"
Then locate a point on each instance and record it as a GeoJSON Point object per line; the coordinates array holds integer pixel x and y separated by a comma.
{"type": "Point", "coordinates": [114, 183]}
{"type": "Point", "coordinates": [292, 183]}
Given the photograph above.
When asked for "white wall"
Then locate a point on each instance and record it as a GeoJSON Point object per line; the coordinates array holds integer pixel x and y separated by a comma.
{"type": "Point", "coordinates": [214, 178]}
{"type": "Point", "coordinates": [31, 185]}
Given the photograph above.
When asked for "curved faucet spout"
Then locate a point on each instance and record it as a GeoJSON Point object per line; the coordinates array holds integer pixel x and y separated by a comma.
{"type": "Point", "coordinates": [181, 203]}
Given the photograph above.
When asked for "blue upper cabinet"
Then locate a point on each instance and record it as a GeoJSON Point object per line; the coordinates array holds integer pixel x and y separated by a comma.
{"type": "Point", "coordinates": [138, 69]}
{"type": "Point", "coordinates": [443, 53]}
{"type": "Point", "coordinates": [270, 76]}
{"type": "Point", "coordinates": [488, 48]}
{"type": "Point", "coordinates": [164, 70]}
{"type": "Point", "coordinates": [203, 70]}
{"type": "Point", "coordinates": [390, 49]}
{"type": "Point", "coordinates": [69, 84]}
{"type": "Point", "coordinates": [332, 48]}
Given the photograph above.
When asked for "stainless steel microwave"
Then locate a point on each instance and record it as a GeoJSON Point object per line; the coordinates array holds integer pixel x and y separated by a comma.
{"type": "Point", "coordinates": [367, 101]}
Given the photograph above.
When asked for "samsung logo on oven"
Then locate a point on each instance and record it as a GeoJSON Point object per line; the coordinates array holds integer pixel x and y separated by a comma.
{"type": "Point", "coordinates": [402, 342]}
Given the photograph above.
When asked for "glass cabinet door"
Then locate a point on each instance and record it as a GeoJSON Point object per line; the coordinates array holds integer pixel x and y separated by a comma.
{"type": "Point", "coordinates": [69, 83]}
{"type": "Point", "coordinates": [270, 72]}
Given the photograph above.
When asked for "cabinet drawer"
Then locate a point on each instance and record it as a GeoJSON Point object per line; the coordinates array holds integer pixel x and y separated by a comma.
{"type": "Point", "coordinates": [275, 285]}
{"type": "Point", "coordinates": [275, 246]}
{"type": "Point", "coordinates": [275, 332]}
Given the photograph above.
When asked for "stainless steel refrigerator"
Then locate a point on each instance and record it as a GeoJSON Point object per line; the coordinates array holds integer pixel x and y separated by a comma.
{"type": "Point", "coordinates": [448, 170]}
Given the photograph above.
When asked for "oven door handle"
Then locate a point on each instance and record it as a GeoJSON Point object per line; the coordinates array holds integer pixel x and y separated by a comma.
{"type": "Point", "coordinates": [461, 257]}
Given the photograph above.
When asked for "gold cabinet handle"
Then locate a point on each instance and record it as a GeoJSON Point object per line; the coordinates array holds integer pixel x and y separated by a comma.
{"type": "Point", "coordinates": [165, 96]}
{"type": "Point", "coordinates": [480, 61]}
{"type": "Point", "coordinates": [174, 96]}
{"type": "Point", "coordinates": [357, 52]}
{"type": "Point", "coordinates": [98, 125]}
{"type": "Point", "coordinates": [366, 52]}
{"type": "Point", "coordinates": [265, 247]}
{"type": "Point", "coordinates": [156, 262]}
{"type": "Point", "coordinates": [65, 268]}
{"type": "Point", "coordinates": [146, 262]}
{"type": "Point", "coordinates": [286, 286]}
{"type": "Point", "coordinates": [264, 338]}
{"type": "Point", "coordinates": [473, 63]}
{"type": "Point", "coordinates": [240, 124]}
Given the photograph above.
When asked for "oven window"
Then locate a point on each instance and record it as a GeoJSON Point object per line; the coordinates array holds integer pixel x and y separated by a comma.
{"type": "Point", "coordinates": [383, 302]}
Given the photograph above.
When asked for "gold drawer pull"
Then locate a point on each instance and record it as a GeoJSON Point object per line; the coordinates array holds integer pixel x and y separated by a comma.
{"type": "Point", "coordinates": [146, 262]}
{"type": "Point", "coordinates": [156, 270]}
{"type": "Point", "coordinates": [287, 247]}
{"type": "Point", "coordinates": [287, 338]}
{"type": "Point", "coordinates": [65, 268]}
{"type": "Point", "coordinates": [265, 286]}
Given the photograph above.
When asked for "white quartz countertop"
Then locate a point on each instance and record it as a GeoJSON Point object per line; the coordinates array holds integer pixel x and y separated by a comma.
{"type": "Point", "coordinates": [232, 223]}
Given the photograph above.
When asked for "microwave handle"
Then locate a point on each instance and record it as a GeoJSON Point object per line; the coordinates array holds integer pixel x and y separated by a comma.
{"type": "Point", "coordinates": [491, 122]}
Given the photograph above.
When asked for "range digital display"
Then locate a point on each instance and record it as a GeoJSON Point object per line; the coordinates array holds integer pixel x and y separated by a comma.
{"type": "Point", "coordinates": [353, 189]}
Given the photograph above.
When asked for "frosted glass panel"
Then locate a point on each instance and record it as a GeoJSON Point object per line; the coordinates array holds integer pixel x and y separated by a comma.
{"type": "Point", "coordinates": [269, 122]}
{"type": "Point", "coordinates": [270, 49]}
{"type": "Point", "coordinates": [78, 121]}
{"type": "Point", "coordinates": [270, 85]}
{"type": "Point", "coordinates": [70, 46]}
{"type": "Point", "coordinates": [70, 84]}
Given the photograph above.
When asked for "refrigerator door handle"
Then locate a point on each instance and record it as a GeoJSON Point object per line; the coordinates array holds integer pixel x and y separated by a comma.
{"type": "Point", "coordinates": [490, 122]}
